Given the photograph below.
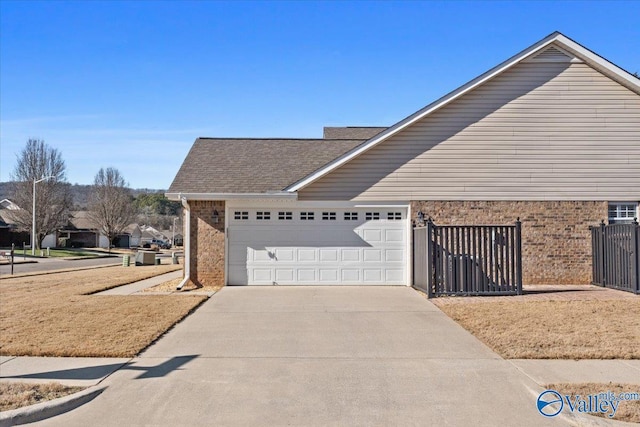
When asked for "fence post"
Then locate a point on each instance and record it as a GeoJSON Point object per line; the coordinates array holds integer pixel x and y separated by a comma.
{"type": "Point", "coordinates": [518, 256]}
{"type": "Point", "coordinates": [603, 273]}
{"type": "Point", "coordinates": [430, 254]}
{"type": "Point", "coordinates": [636, 262]}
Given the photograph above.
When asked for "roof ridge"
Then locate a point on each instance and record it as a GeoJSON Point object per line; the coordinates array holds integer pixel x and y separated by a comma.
{"type": "Point", "coordinates": [280, 139]}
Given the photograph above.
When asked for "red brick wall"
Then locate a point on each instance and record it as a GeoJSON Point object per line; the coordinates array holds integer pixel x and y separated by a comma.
{"type": "Point", "coordinates": [556, 242]}
{"type": "Point", "coordinates": [207, 243]}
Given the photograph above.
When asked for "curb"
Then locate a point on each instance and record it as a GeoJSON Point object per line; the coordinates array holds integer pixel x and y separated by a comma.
{"type": "Point", "coordinates": [62, 270]}
{"type": "Point", "coordinates": [50, 408]}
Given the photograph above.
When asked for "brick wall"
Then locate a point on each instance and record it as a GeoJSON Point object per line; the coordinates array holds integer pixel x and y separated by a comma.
{"type": "Point", "coordinates": [556, 242]}
{"type": "Point", "coordinates": [207, 243]}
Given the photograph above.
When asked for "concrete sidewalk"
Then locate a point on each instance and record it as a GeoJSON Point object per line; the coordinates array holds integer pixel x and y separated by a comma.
{"type": "Point", "coordinates": [87, 371]}
{"type": "Point", "coordinates": [133, 288]}
{"type": "Point", "coordinates": [71, 371]}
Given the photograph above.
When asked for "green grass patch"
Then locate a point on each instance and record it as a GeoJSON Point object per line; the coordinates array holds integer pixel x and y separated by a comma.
{"type": "Point", "coordinates": [65, 253]}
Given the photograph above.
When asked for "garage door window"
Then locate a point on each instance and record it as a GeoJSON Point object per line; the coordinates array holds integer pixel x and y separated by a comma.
{"type": "Point", "coordinates": [351, 216]}
{"type": "Point", "coordinates": [307, 216]}
{"type": "Point", "coordinates": [372, 216]}
{"type": "Point", "coordinates": [285, 216]}
{"type": "Point", "coordinates": [328, 216]}
{"type": "Point", "coordinates": [241, 215]}
{"type": "Point", "coordinates": [394, 216]}
{"type": "Point", "coordinates": [261, 215]}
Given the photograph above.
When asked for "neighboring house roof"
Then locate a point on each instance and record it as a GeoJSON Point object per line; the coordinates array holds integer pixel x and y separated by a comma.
{"type": "Point", "coordinates": [565, 44]}
{"type": "Point", "coordinates": [133, 229]}
{"type": "Point", "coordinates": [80, 220]}
{"type": "Point", "coordinates": [230, 165]}
{"type": "Point", "coordinates": [351, 132]}
{"type": "Point", "coordinates": [8, 204]}
{"type": "Point", "coordinates": [149, 232]}
{"type": "Point", "coordinates": [7, 216]}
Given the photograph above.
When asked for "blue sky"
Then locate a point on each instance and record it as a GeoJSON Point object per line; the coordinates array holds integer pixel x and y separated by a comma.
{"type": "Point", "coordinates": [132, 84]}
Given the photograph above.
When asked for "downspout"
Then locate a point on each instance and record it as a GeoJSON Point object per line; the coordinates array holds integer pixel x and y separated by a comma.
{"type": "Point", "coordinates": [186, 243]}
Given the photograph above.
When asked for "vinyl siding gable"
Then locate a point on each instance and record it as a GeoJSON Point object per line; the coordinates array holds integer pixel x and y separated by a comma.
{"type": "Point", "coordinates": [538, 131]}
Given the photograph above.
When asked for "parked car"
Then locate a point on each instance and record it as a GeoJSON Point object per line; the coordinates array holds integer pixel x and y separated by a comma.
{"type": "Point", "coordinates": [161, 244]}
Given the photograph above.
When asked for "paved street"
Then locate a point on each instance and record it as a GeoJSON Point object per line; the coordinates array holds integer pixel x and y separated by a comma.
{"type": "Point", "coordinates": [46, 264]}
{"type": "Point", "coordinates": [315, 356]}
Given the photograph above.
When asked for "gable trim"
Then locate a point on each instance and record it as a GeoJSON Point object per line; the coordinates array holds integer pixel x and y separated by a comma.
{"type": "Point", "coordinates": [599, 63]}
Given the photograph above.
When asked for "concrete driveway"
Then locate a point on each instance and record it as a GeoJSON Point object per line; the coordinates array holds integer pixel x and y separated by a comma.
{"type": "Point", "coordinates": [315, 356]}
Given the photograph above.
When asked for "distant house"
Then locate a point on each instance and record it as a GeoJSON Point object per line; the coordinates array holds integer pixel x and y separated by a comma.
{"type": "Point", "coordinates": [135, 235]}
{"type": "Point", "coordinates": [149, 234]}
{"type": "Point", "coordinates": [551, 135]}
{"type": "Point", "coordinates": [81, 231]}
{"type": "Point", "coordinates": [9, 231]}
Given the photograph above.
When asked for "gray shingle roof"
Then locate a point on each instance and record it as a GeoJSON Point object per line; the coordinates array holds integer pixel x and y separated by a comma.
{"type": "Point", "coordinates": [352, 132]}
{"type": "Point", "coordinates": [230, 165]}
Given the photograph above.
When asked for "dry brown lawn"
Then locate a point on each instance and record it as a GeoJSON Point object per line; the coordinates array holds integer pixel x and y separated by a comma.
{"type": "Point", "coordinates": [171, 285]}
{"type": "Point", "coordinates": [17, 395]}
{"type": "Point", "coordinates": [54, 315]}
{"type": "Point", "coordinates": [553, 329]}
{"type": "Point", "coordinates": [629, 410]}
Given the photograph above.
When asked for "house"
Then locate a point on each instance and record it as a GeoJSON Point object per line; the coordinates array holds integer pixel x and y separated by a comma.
{"type": "Point", "coordinates": [10, 231]}
{"type": "Point", "coordinates": [135, 235]}
{"type": "Point", "coordinates": [551, 135]}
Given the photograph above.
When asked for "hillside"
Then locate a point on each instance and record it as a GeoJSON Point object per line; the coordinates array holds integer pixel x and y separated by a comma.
{"type": "Point", "coordinates": [80, 193]}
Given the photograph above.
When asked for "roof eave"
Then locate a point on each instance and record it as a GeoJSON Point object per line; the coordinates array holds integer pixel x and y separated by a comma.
{"type": "Point", "coordinates": [288, 195]}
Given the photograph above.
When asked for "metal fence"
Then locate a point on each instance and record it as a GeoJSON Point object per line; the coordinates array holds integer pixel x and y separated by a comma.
{"type": "Point", "coordinates": [616, 257]}
{"type": "Point", "coordinates": [468, 259]}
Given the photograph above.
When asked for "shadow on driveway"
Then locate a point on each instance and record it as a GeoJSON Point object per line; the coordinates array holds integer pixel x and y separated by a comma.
{"type": "Point", "coordinates": [97, 372]}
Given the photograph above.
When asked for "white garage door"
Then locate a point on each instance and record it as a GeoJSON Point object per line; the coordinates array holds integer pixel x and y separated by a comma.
{"type": "Point", "coordinates": [284, 246]}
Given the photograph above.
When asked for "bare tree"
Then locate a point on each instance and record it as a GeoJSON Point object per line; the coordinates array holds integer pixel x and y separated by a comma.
{"type": "Point", "coordinates": [111, 203]}
{"type": "Point", "coordinates": [53, 194]}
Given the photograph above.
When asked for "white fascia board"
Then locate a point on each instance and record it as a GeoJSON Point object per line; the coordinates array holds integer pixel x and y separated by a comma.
{"type": "Point", "coordinates": [612, 70]}
{"type": "Point", "coordinates": [316, 204]}
{"type": "Point", "coordinates": [580, 51]}
{"type": "Point", "coordinates": [286, 195]}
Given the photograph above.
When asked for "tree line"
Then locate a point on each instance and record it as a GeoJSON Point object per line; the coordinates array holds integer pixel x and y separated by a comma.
{"type": "Point", "coordinates": [111, 204]}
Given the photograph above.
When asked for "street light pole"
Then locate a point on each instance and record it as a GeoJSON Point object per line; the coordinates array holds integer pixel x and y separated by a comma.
{"type": "Point", "coordinates": [173, 239]}
{"type": "Point", "coordinates": [33, 224]}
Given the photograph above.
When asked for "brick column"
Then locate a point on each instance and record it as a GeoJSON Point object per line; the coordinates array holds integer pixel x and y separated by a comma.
{"type": "Point", "coordinates": [207, 243]}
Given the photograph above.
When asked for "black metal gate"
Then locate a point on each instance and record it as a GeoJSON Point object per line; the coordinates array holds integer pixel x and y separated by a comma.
{"type": "Point", "coordinates": [468, 259]}
{"type": "Point", "coordinates": [616, 257]}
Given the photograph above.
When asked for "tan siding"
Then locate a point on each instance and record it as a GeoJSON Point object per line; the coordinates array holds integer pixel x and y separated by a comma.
{"type": "Point", "coordinates": [540, 131]}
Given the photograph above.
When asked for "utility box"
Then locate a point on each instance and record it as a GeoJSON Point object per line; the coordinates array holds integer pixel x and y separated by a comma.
{"type": "Point", "coordinates": [145, 258]}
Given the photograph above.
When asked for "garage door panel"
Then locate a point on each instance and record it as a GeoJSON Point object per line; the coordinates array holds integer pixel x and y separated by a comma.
{"type": "Point", "coordinates": [329, 275]}
{"type": "Point", "coordinates": [284, 254]}
{"type": "Point", "coordinates": [394, 276]}
{"type": "Point", "coordinates": [372, 235]}
{"type": "Point", "coordinates": [394, 235]}
{"type": "Point", "coordinates": [350, 275]}
{"type": "Point", "coordinates": [307, 255]}
{"type": "Point", "coordinates": [372, 255]}
{"type": "Point", "coordinates": [394, 255]}
{"type": "Point", "coordinates": [285, 275]}
{"type": "Point", "coordinates": [307, 275]}
{"type": "Point", "coordinates": [329, 255]}
{"type": "Point", "coordinates": [262, 275]}
{"type": "Point", "coordinates": [372, 275]}
{"type": "Point", "coordinates": [350, 255]}
{"type": "Point", "coordinates": [259, 255]}
{"type": "Point", "coordinates": [332, 252]}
